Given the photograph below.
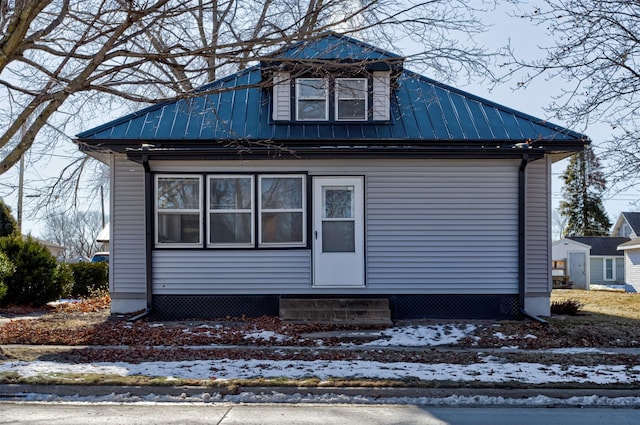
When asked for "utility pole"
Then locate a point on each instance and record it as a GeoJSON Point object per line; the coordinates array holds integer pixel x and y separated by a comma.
{"type": "Point", "coordinates": [20, 193]}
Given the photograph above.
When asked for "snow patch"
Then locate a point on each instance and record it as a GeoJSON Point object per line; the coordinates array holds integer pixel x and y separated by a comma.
{"type": "Point", "coordinates": [226, 369]}
{"type": "Point", "coordinates": [423, 336]}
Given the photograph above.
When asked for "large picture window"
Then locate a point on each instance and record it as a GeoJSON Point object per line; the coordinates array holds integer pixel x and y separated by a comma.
{"type": "Point", "coordinates": [237, 215]}
{"type": "Point", "coordinates": [178, 210]}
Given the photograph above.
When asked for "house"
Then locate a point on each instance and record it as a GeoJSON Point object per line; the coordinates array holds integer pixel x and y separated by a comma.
{"type": "Point", "coordinates": [103, 238]}
{"type": "Point", "coordinates": [628, 224]}
{"type": "Point", "coordinates": [591, 260]}
{"type": "Point", "coordinates": [631, 251]}
{"type": "Point", "coordinates": [329, 171]}
{"type": "Point", "coordinates": [54, 248]}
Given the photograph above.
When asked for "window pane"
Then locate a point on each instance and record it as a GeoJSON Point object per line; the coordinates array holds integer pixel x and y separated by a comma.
{"type": "Point", "coordinates": [338, 236]}
{"type": "Point", "coordinates": [311, 88]}
{"type": "Point", "coordinates": [178, 228]}
{"type": "Point", "coordinates": [230, 228]}
{"type": "Point", "coordinates": [282, 227]}
{"type": "Point", "coordinates": [279, 193]}
{"type": "Point", "coordinates": [227, 193]}
{"type": "Point", "coordinates": [312, 109]}
{"type": "Point", "coordinates": [351, 89]}
{"type": "Point", "coordinates": [352, 110]}
{"type": "Point", "coordinates": [338, 202]}
{"type": "Point", "coordinates": [178, 193]}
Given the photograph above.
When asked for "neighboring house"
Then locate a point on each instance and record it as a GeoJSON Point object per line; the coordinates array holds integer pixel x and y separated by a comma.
{"type": "Point", "coordinates": [628, 224]}
{"type": "Point", "coordinates": [103, 238]}
{"type": "Point", "coordinates": [631, 251]}
{"type": "Point", "coordinates": [606, 263]}
{"type": "Point", "coordinates": [330, 171]}
{"type": "Point", "coordinates": [55, 249]}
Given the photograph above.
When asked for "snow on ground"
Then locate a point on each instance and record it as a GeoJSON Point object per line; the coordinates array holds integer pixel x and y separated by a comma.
{"type": "Point", "coordinates": [423, 335]}
{"type": "Point", "coordinates": [490, 370]}
{"type": "Point", "coordinates": [262, 335]}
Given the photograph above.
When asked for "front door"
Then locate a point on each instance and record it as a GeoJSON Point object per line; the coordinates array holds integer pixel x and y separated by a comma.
{"type": "Point", "coordinates": [338, 231]}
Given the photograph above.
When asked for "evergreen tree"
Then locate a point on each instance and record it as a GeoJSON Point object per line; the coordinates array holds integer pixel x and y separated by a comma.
{"type": "Point", "coordinates": [8, 224]}
{"type": "Point", "coordinates": [584, 183]}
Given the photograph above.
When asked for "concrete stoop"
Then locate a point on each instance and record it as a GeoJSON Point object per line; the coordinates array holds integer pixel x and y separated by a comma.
{"type": "Point", "coordinates": [370, 311]}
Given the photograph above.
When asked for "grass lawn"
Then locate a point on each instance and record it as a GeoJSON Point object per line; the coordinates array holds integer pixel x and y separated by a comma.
{"type": "Point", "coordinates": [608, 303]}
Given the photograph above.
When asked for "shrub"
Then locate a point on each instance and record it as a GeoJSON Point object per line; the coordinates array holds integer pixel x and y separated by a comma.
{"type": "Point", "coordinates": [90, 279]}
{"type": "Point", "coordinates": [64, 278]}
{"type": "Point", "coordinates": [568, 307]}
{"type": "Point", "coordinates": [6, 269]}
{"type": "Point", "coordinates": [36, 280]}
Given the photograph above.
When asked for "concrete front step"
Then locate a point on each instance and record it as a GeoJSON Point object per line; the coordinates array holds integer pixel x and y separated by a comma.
{"type": "Point", "coordinates": [336, 310]}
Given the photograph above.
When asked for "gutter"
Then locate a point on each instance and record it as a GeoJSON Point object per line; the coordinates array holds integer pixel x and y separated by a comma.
{"type": "Point", "coordinates": [148, 220]}
{"type": "Point", "coordinates": [522, 238]}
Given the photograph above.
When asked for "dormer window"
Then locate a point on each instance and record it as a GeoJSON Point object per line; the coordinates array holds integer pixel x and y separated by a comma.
{"type": "Point", "coordinates": [331, 99]}
{"type": "Point", "coordinates": [351, 99]}
{"type": "Point", "coordinates": [312, 99]}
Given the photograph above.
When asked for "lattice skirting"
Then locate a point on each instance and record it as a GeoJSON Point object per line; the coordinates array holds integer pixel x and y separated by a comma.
{"type": "Point", "coordinates": [181, 307]}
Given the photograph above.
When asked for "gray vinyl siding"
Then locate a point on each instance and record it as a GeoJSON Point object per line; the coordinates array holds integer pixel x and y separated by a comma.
{"type": "Point", "coordinates": [179, 272]}
{"type": "Point", "coordinates": [538, 231]}
{"type": "Point", "coordinates": [127, 229]}
{"type": "Point", "coordinates": [632, 268]}
{"type": "Point", "coordinates": [597, 271]}
{"type": "Point", "coordinates": [436, 229]}
{"type": "Point", "coordinates": [431, 226]}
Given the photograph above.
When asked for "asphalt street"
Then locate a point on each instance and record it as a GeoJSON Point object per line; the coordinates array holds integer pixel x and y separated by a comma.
{"type": "Point", "coordinates": [24, 413]}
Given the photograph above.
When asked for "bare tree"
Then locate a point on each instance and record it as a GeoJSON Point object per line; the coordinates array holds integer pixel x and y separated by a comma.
{"type": "Point", "coordinates": [558, 224]}
{"type": "Point", "coordinates": [596, 51]}
{"type": "Point", "coordinates": [77, 232]}
{"type": "Point", "coordinates": [57, 55]}
{"type": "Point", "coordinates": [65, 64]}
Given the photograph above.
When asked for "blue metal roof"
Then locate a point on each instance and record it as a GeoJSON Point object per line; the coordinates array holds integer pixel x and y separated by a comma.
{"type": "Point", "coordinates": [239, 107]}
{"type": "Point", "coordinates": [334, 46]}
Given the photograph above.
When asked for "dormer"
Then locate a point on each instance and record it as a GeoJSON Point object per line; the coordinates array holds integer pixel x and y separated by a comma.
{"type": "Point", "coordinates": [334, 79]}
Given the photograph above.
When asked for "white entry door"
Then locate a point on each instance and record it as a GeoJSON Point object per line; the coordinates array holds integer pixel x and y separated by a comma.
{"type": "Point", "coordinates": [338, 231]}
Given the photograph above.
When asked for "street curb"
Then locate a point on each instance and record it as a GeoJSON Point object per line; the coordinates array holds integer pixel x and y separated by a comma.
{"type": "Point", "coordinates": [21, 391]}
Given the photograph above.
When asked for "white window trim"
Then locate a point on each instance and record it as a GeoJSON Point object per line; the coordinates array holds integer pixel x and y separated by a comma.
{"type": "Point", "coordinates": [209, 211]}
{"type": "Point", "coordinates": [302, 210]}
{"type": "Point", "coordinates": [299, 97]}
{"type": "Point", "coordinates": [157, 210]}
{"type": "Point", "coordinates": [337, 98]}
{"type": "Point", "coordinates": [604, 269]}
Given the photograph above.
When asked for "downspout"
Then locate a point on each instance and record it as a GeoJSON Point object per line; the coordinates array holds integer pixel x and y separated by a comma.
{"type": "Point", "coordinates": [148, 221]}
{"type": "Point", "coordinates": [522, 238]}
